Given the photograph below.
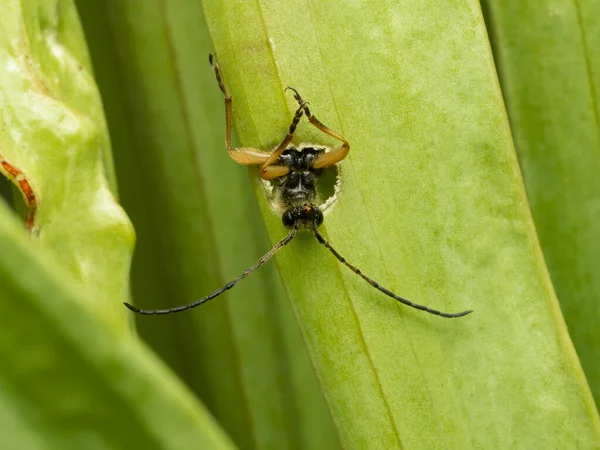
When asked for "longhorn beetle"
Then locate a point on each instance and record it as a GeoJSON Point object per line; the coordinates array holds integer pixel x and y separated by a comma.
{"type": "Point", "coordinates": [294, 170]}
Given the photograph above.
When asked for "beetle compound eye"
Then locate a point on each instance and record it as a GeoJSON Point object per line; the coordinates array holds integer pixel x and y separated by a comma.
{"type": "Point", "coordinates": [288, 219]}
{"type": "Point", "coordinates": [318, 217]}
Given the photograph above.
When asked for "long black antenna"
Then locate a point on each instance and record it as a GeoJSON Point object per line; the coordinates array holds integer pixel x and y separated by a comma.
{"type": "Point", "coordinates": [150, 312]}
{"type": "Point", "coordinates": [376, 285]}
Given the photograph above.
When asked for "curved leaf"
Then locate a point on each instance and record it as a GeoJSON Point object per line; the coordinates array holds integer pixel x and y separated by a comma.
{"type": "Point", "coordinates": [432, 206]}
{"type": "Point", "coordinates": [557, 133]}
{"type": "Point", "coordinates": [54, 133]}
{"type": "Point", "coordinates": [68, 380]}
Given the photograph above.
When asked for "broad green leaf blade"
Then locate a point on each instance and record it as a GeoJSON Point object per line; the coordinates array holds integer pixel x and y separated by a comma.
{"type": "Point", "coordinates": [432, 206]}
{"type": "Point", "coordinates": [69, 380]}
{"type": "Point", "coordinates": [549, 64]}
{"type": "Point", "coordinates": [198, 227]}
{"type": "Point", "coordinates": [53, 133]}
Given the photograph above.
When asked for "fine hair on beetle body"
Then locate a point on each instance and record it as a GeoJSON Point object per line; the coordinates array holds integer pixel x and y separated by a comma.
{"type": "Point", "coordinates": [293, 171]}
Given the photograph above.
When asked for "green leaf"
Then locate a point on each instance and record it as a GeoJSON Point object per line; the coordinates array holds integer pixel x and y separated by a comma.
{"type": "Point", "coordinates": [432, 206]}
{"type": "Point", "coordinates": [70, 376]}
{"type": "Point", "coordinates": [53, 133]}
{"type": "Point", "coordinates": [68, 379]}
{"type": "Point", "coordinates": [550, 71]}
{"type": "Point", "coordinates": [198, 226]}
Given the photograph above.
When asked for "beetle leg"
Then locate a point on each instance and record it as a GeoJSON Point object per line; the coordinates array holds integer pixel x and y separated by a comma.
{"type": "Point", "coordinates": [334, 156]}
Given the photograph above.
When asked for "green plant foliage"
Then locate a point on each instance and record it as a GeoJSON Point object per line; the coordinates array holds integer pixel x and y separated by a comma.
{"type": "Point", "coordinates": [198, 226]}
{"type": "Point", "coordinates": [53, 131]}
{"type": "Point", "coordinates": [70, 375]}
{"type": "Point", "coordinates": [549, 62]}
{"type": "Point", "coordinates": [68, 380]}
{"type": "Point", "coordinates": [432, 206]}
